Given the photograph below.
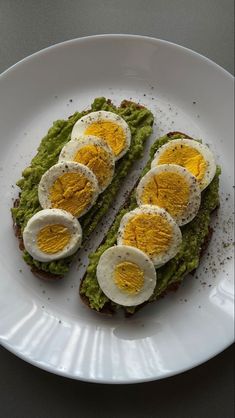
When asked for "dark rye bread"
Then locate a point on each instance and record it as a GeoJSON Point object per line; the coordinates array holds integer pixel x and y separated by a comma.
{"type": "Point", "coordinates": [109, 308]}
{"type": "Point", "coordinates": [45, 275]}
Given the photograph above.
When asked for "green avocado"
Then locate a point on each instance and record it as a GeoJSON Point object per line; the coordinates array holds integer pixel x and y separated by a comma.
{"type": "Point", "coordinates": [140, 121]}
{"type": "Point", "coordinates": [187, 259]}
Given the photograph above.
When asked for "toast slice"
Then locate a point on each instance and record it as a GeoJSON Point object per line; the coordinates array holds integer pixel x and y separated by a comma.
{"type": "Point", "coordinates": [196, 237]}
{"type": "Point", "coordinates": [140, 121]}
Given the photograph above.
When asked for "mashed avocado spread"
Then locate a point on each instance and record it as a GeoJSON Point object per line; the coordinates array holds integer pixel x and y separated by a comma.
{"type": "Point", "coordinates": [140, 121]}
{"type": "Point", "coordinates": [187, 259]}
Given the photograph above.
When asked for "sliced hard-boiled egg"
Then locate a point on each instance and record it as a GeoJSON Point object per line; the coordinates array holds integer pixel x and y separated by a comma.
{"type": "Point", "coordinates": [153, 231]}
{"type": "Point", "coordinates": [108, 126]}
{"type": "Point", "coordinates": [126, 275]}
{"type": "Point", "coordinates": [173, 188]}
{"type": "Point", "coordinates": [94, 153]}
{"type": "Point", "coordinates": [69, 186]}
{"type": "Point", "coordinates": [190, 154]}
{"type": "Point", "coordinates": [52, 234]}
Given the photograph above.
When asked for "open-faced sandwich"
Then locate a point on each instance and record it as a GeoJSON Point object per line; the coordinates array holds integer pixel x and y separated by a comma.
{"type": "Point", "coordinates": [72, 181]}
{"type": "Point", "coordinates": [159, 235]}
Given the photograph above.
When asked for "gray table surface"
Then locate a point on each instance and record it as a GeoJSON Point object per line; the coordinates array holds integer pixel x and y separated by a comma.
{"type": "Point", "coordinates": [206, 26]}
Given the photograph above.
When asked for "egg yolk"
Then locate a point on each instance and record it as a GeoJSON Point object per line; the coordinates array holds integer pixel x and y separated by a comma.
{"type": "Point", "coordinates": [168, 190]}
{"type": "Point", "coordinates": [97, 159]}
{"type": "Point", "coordinates": [53, 238]}
{"type": "Point", "coordinates": [187, 157]}
{"type": "Point", "coordinates": [112, 133]}
{"type": "Point", "coordinates": [151, 233]}
{"type": "Point", "coordinates": [129, 277]}
{"type": "Point", "coordinates": [72, 192]}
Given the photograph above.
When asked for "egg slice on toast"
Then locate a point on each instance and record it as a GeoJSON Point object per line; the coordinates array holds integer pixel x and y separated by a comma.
{"type": "Point", "coordinates": [190, 154]}
{"type": "Point", "coordinates": [94, 153]}
{"type": "Point", "coordinates": [69, 186]}
{"type": "Point", "coordinates": [173, 188]}
{"type": "Point", "coordinates": [152, 230]}
{"type": "Point", "coordinates": [126, 275]}
{"type": "Point", "coordinates": [108, 126]}
{"type": "Point", "coordinates": [52, 234]}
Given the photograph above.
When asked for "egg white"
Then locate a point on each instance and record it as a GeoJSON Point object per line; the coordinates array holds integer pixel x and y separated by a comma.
{"type": "Point", "coordinates": [47, 217]}
{"type": "Point", "coordinates": [201, 148]}
{"type": "Point", "coordinates": [57, 170]}
{"type": "Point", "coordinates": [105, 272]}
{"type": "Point", "coordinates": [157, 259]}
{"type": "Point", "coordinates": [82, 124]}
{"type": "Point", "coordinates": [71, 148]}
{"type": "Point", "coordinates": [194, 190]}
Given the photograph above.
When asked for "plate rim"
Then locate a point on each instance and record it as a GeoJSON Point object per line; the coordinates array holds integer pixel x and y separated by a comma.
{"type": "Point", "coordinates": [62, 373]}
{"type": "Point", "coordinates": [115, 36]}
{"type": "Point", "coordinates": [91, 38]}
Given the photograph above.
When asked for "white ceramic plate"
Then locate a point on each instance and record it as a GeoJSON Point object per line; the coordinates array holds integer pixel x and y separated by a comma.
{"type": "Point", "coordinates": [45, 323]}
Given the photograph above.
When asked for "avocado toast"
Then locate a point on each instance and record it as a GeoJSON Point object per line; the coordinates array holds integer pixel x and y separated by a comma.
{"type": "Point", "coordinates": [139, 120]}
{"type": "Point", "coordinates": [195, 237]}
